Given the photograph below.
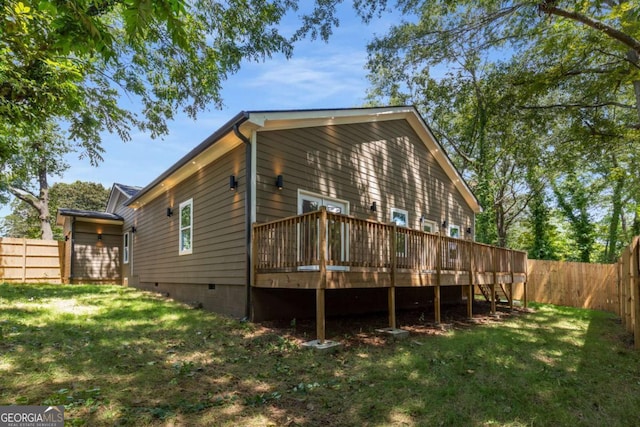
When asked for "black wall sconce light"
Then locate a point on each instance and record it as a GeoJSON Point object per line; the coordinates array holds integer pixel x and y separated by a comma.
{"type": "Point", "coordinates": [99, 236]}
{"type": "Point", "coordinates": [279, 182]}
{"type": "Point", "coordinates": [233, 183]}
{"type": "Point", "coordinates": [468, 230]}
{"type": "Point", "coordinates": [373, 207]}
{"type": "Point", "coordinates": [133, 229]}
{"type": "Point", "coordinates": [422, 218]}
{"type": "Point", "coordinates": [66, 238]}
{"type": "Point", "coordinates": [169, 212]}
{"type": "Point", "coordinates": [444, 224]}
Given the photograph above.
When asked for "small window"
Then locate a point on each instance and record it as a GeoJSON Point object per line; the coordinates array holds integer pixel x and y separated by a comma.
{"type": "Point", "coordinates": [125, 248]}
{"type": "Point", "coordinates": [454, 231]}
{"type": "Point", "coordinates": [429, 226]}
{"type": "Point", "coordinates": [400, 217]}
{"type": "Point", "coordinates": [186, 227]}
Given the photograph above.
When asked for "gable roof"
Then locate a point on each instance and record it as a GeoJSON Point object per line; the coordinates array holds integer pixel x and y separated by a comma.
{"type": "Point", "coordinates": [128, 191]}
{"type": "Point", "coordinates": [247, 122]}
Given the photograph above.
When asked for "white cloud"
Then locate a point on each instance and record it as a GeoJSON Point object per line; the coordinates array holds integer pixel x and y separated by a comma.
{"type": "Point", "coordinates": [336, 80]}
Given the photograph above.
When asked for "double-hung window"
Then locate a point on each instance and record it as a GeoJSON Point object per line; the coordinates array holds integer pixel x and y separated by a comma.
{"type": "Point", "coordinates": [186, 228]}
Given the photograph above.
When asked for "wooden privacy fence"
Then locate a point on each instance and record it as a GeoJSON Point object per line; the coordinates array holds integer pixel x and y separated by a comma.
{"type": "Point", "coordinates": [574, 284]}
{"type": "Point", "coordinates": [629, 288]}
{"type": "Point", "coordinates": [30, 261]}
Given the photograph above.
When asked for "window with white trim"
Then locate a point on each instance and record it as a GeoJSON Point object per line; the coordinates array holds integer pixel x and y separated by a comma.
{"type": "Point", "coordinates": [125, 248]}
{"type": "Point", "coordinates": [454, 231]}
{"type": "Point", "coordinates": [401, 218]}
{"type": "Point", "coordinates": [429, 226]}
{"type": "Point", "coordinates": [185, 240]}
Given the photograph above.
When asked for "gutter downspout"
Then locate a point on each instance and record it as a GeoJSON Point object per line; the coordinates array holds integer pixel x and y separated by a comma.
{"type": "Point", "coordinates": [73, 248]}
{"type": "Point", "coordinates": [247, 214]}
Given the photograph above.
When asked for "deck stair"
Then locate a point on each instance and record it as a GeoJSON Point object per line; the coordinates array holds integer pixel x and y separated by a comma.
{"type": "Point", "coordinates": [502, 293]}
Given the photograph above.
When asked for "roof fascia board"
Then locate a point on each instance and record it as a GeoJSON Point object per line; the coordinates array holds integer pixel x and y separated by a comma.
{"type": "Point", "coordinates": [423, 130]}
{"type": "Point", "coordinates": [278, 120]}
{"type": "Point", "coordinates": [60, 218]}
{"type": "Point", "coordinates": [186, 166]}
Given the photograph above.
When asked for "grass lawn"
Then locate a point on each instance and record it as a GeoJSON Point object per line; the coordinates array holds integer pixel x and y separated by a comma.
{"type": "Point", "coordinates": [117, 356]}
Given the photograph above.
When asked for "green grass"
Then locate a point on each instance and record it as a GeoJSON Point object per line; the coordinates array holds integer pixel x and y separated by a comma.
{"type": "Point", "coordinates": [116, 356]}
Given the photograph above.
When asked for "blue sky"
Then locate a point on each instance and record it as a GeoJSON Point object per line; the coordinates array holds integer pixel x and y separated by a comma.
{"type": "Point", "coordinates": [319, 75]}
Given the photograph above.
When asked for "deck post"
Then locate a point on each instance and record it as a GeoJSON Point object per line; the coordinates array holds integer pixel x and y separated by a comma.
{"type": "Point", "coordinates": [322, 255]}
{"type": "Point", "coordinates": [436, 291]}
{"type": "Point", "coordinates": [470, 296]}
{"type": "Point", "coordinates": [494, 253]}
{"type": "Point", "coordinates": [524, 286]}
{"type": "Point", "coordinates": [513, 278]}
{"type": "Point", "coordinates": [393, 241]}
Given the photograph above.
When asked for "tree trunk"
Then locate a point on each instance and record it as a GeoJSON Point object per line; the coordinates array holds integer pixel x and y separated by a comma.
{"type": "Point", "coordinates": [45, 217]}
{"type": "Point", "coordinates": [634, 58]}
{"type": "Point", "coordinates": [40, 203]}
{"type": "Point", "coordinates": [612, 241]}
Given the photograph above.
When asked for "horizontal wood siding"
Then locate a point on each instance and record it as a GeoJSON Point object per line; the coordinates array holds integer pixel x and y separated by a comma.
{"type": "Point", "coordinates": [128, 214]}
{"type": "Point", "coordinates": [218, 236]}
{"type": "Point", "coordinates": [96, 261]}
{"type": "Point", "coordinates": [383, 162]}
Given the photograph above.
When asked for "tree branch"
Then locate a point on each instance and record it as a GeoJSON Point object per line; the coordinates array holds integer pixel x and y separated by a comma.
{"type": "Point", "coordinates": [25, 196]}
{"type": "Point", "coordinates": [550, 8]}
{"type": "Point", "coordinates": [577, 105]}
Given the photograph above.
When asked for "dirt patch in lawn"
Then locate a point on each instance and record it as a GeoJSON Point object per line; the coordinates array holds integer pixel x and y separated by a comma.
{"type": "Point", "coordinates": [360, 330]}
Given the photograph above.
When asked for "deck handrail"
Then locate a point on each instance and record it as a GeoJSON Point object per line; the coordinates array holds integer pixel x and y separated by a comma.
{"type": "Point", "coordinates": [292, 244]}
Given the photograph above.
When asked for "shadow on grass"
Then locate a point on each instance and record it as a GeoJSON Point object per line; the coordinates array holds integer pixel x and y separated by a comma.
{"type": "Point", "coordinates": [116, 356]}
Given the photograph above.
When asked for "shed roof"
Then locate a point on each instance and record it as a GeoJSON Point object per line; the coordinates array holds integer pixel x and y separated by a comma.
{"type": "Point", "coordinates": [88, 216]}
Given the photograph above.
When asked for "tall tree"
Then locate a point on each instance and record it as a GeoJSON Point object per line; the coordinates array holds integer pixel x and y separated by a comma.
{"type": "Point", "coordinates": [26, 173]}
{"type": "Point", "coordinates": [471, 111]}
{"type": "Point", "coordinates": [573, 65]}
{"type": "Point", "coordinates": [574, 199]}
{"type": "Point", "coordinates": [542, 245]}
{"type": "Point", "coordinates": [24, 222]}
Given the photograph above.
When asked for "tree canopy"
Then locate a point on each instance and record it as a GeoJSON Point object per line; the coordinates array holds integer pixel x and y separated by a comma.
{"type": "Point", "coordinates": [74, 69]}
{"type": "Point", "coordinates": [74, 60]}
{"type": "Point", "coordinates": [530, 96]}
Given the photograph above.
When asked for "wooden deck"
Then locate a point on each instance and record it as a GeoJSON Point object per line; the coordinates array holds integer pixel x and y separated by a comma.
{"type": "Point", "coordinates": [323, 250]}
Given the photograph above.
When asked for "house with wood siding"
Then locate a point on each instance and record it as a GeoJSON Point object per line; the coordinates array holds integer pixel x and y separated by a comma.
{"type": "Point", "coordinates": [308, 212]}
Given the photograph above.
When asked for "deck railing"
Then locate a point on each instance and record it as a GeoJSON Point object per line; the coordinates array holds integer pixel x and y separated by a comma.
{"type": "Point", "coordinates": [293, 244]}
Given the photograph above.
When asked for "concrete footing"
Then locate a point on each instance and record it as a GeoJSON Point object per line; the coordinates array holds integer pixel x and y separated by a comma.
{"type": "Point", "coordinates": [394, 333]}
{"type": "Point", "coordinates": [324, 347]}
